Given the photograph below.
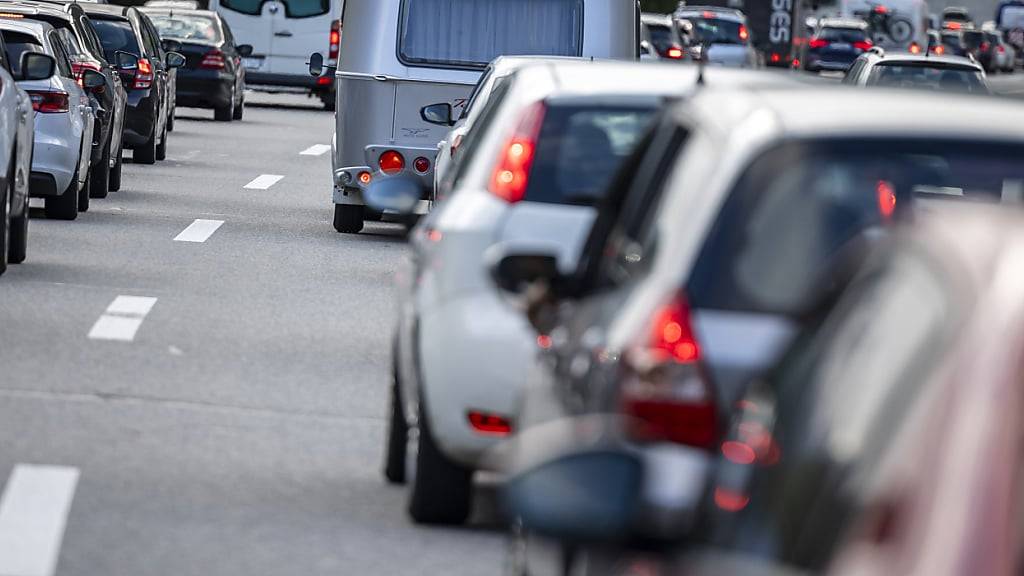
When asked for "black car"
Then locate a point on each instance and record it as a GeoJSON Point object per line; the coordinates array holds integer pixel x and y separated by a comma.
{"type": "Point", "coordinates": [953, 43]}
{"type": "Point", "coordinates": [126, 29]}
{"type": "Point", "coordinates": [213, 75]}
{"type": "Point", "coordinates": [835, 45]}
{"type": "Point", "coordinates": [83, 46]}
{"type": "Point", "coordinates": [977, 44]}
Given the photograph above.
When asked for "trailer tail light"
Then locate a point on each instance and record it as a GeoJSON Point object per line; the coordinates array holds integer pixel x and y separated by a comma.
{"type": "Point", "coordinates": [512, 173]}
{"type": "Point", "coordinates": [213, 60]}
{"type": "Point", "coordinates": [421, 164]}
{"type": "Point", "coordinates": [335, 44]}
{"type": "Point", "coordinates": [667, 397]}
{"type": "Point", "coordinates": [939, 50]}
{"type": "Point", "coordinates": [143, 75]}
{"type": "Point", "coordinates": [391, 162]}
{"type": "Point", "coordinates": [49, 101]}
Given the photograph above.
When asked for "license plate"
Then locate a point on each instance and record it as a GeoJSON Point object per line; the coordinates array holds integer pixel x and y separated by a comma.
{"type": "Point", "coordinates": [841, 46]}
{"type": "Point", "coordinates": [252, 63]}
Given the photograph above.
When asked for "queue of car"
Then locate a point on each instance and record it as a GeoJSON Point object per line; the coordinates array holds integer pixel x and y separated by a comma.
{"type": "Point", "coordinates": [700, 319]}
{"type": "Point", "coordinates": [82, 82]}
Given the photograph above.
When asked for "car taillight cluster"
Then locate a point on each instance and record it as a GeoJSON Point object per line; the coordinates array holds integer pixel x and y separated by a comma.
{"type": "Point", "coordinates": [143, 75]}
{"type": "Point", "coordinates": [938, 49]}
{"type": "Point", "coordinates": [213, 60]}
{"type": "Point", "coordinates": [512, 173]}
{"type": "Point", "coordinates": [49, 101]}
{"type": "Point", "coordinates": [744, 33]}
{"type": "Point", "coordinates": [675, 53]}
{"type": "Point", "coordinates": [667, 397]}
{"type": "Point", "coordinates": [818, 43]}
{"type": "Point", "coordinates": [335, 45]}
{"type": "Point", "coordinates": [863, 45]}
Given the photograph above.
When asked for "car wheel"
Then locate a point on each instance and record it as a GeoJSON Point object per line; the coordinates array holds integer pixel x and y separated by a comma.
{"type": "Point", "coordinates": [100, 175]}
{"type": "Point", "coordinates": [83, 194]}
{"type": "Point", "coordinates": [115, 172]}
{"type": "Point", "coordinates": [327, 98]}
{"type": "Point", "coordinates": [441, 489]}
{"type": "Point", "coordinates": [348, 219]}
{"type": "Point", "coordinates": [161, 148]}
{"type": "Point", "coordinates": [146, 154]}
{"type": "Point", "coordinates": [5, 223]}
{"type": "Point", "coordinates": [17, 248]}
{"type": "Point", "coordinates": [65, 206]}
{"type": "Point", "coordinates": [239, 110]}
{"type": "Point", "coordinates": [226, 112]}
{"type": "Point", "coordinates": [398, 436]}
{"type": "Point", "coordinates": [170, 120]}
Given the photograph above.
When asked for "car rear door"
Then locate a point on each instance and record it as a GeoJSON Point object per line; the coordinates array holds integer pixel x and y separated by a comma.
{"type": "Point", "coordinates": [298, 28]}
{"type": "Point", "coordinates": [250, 21]}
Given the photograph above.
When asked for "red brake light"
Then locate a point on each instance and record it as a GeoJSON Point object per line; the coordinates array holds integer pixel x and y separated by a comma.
{"type": "Point", "coordinates": [143, 75]}
{"type": "Point", "coordinates": [818, 43]}
{"type": "Point", "coordinates": [951, 25]}
{"type": "Point", "coordinates": [391, 162]}
{"type": "Point", "coordinates": [489, 424]}
{"type": "Point", "coordinates": [863, 45]}
{"type": "Point", "coordinates": [985, 46]}
{"type": "Point", "coordinates": [1001, 49]}
{"type": "Point", "coordinates": [49, 102]}
{"type": "Point", "coordinates": [668, 398]}
{"type": "Point", "coordinates": [675, 53]}
{"type": "Point", "coordinates": [335, 39]}
{"type": "Point", "coordinates": [776, 57]}
{"type": "Point", "coordinates": [421, 165]}
{"type": "Point", "coordinates": [886, 199]}
{"type": "Point", "coordinates": [709, 14]}
{"type": "Point", "coordinates": [214, 60]}
{"type": "Point", "coordinates": [879, 9]}
{"type": "Point", "coordinates": [81, 65]}
{"type": "Point", "coordinates": [915, 48]}
{"type": "Point", "coordinates": [940, 50]}
{"type": "Point", "coordinates": [744, 33]}
{"type": "Point", "coordinates": [512, 173]}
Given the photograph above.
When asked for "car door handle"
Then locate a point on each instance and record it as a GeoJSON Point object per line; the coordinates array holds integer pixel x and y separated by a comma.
{"type": "Point", "coordinates": [284, 34]}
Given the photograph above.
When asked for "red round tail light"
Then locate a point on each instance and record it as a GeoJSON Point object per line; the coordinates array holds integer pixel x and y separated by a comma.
{"type": "Point", "coordinates": [421, 165]}
{"type": "Point", "coordinates": [391, 162]}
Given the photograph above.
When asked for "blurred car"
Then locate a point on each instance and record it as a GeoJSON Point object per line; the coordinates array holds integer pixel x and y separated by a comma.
{"type": "Point", "coordinates": [536, 163]}
{"type": "Point", "coordinates": [662, 37]}
{"type": "Point", "coordinates": [1005, 55]}
{"type": "Point", "coordinates": [953, 43]}
{"type": "Point", "coordinates": [978, 46]}
{"type": "Point", "coordinates": [78, 37]}
{"type": "Point", "coordinates": [956, 17]}
{"type": "Point", "coordinates": [127, 29]}
{"type": "Point", "coordinates": [706, 259]}
{"type": "Point", "coordinates": [15, 159]}
{"type": "Point", "coordinates": [64, 119]}
{"type": "Point", "coordinates": [887, 441]}
{"type": "Point", "coordinates": [918, 71]}
{"type": "Point", "coordinates": [213, 75]}
{"type": "Point", "coordinates": [723, 32]}
{"type": "Point", "coordinates": [835, 45]}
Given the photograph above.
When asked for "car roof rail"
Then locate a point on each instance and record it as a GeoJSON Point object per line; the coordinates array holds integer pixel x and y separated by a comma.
{"type": "Point", "coordinates": [877, 50]}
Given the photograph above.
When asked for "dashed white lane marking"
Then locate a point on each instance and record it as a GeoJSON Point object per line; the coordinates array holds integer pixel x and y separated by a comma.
{"type": "Point", "coordinates": [33, 514]}
{"type": "Point", "coordinates": [263, 181]}
{"type": "Point", "coordinates": [316, 150]}
{"type": "Point", "coordinates": [122, 319]}
{"type": "Point", "coordinates": [198, 231]}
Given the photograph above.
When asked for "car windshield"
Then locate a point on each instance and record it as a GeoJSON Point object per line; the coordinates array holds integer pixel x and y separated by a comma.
{"type": "Point", "coordinates": [187, 27]}
{"type": "Point", "coordinates": [581, 147]}
{"type": "Point", "coordinates": [473, 32]}
{"type": "Point", "coordinates": [973, 39]}
{"type": "Point", "coordinates": [718, 31]}
{"type": "Point", "coordinates": [799, 204]}
{"type": "Point", "coordinates": [116, 35]}
{"type": "Point", "coordinates": [928, 76]}
{"type": "Point", "coordinates": [843, 35]}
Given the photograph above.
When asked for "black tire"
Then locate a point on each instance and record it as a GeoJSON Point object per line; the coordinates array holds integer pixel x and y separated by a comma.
{"type": "Point", "coordinates": [5, 225]}
{"type": "Point", "coordinates": [239, 110]}
{"type": "Point", "coordinates": [348, 219]}
{"type": "Point", "coordinates": [398, 436]}
{"type": "Point", "coordinates": [115, 172]}
{"type": "Point", "coordinates": [161, 148]}
{"type": "Point", "coordinates": [146, 154]}
{"type": "Point", "coordinates": [225, 113]}
{"type": "Point", "coordinates": [441, 491]}
{"type": "Point", "coordinates": [65, 206]}
{"type": "Point", "coordinates": [328, 101]}
{"type": "Point", "coordinates": [17, 247]}
{"type": "Point", "coordinates": [170, 119]}
{"type": "Point", "coordinates": [100, 175]}
{"type": "Point", "coordinates": [83, 194]}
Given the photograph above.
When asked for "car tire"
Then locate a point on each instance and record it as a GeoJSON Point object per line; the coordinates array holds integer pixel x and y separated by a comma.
{"type": "Point", "coordinates": [239, 110]}
{"type": "Point", "coordinates": [84, 192]}
{"type": "Point", "coordinates": [17, 247]}
{"type": "Point", "coordinates": [100, 175]}
{"type": "Point", "coordinates": [225, 113]}
{"type": "Point", "coordinates": [65, 206]}
{"type": "Point", "coordinates": [5, 225]}
{"type": "Point", "coordinates": [327, 98]}
{"type": "Point", "coordinates": [115, 172]}
{"type": "Point", "coordinates": [161, 148]}
{"type": "Point", "coordinates": [348, 219]}
{"type": "Point", "coordinates": [146, 154]}
{"type": "Point", "coordinates": [441, 491]}
{"type": "Point", "coordinates": [170, 120]}
{"type": "Point", "coordinates": [398, 436]}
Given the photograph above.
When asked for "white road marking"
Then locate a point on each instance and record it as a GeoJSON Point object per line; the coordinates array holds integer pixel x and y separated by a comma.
{"type": "Point", "coordinates": [263, 181]}
{"type": "Point", "coordinates": [316, 150]}
{"type": "Point", "coordinates": [199, 231]}
{"type": "Point", "coordinates": [122, 319]}
{"type": "Point", "coordinates": [33, 514]}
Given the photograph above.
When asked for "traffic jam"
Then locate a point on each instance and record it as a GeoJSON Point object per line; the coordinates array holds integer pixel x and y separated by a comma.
{"type": "Point", "coordinates": [530, 287]}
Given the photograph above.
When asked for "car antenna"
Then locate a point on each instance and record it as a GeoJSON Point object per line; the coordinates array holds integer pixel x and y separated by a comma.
{"type": "Point", "coordinates": [703, 62]}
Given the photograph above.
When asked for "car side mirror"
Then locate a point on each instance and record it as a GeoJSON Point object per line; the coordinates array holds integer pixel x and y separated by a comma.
{"type": "Point", "coordinates": [514, 273]}
{"type": "Point", "coordinates": [316, 64]}
{"type": "Point", "coordinates": [37, 66]}
{"type": "Point", "coordinates": [174, 60]}
{"type": "Point", "coordinates": [244, 50]}
{"type": "Point", "coordinates": [92, 80]}
{"type": "Point", "coordinates": [170, 45]}
{"type": "Point", "coordinates": [126, 62]}
{"type": "Point", "coordinates": [441, 114]}
{"type": "Point", "coordinates": [394, 194]}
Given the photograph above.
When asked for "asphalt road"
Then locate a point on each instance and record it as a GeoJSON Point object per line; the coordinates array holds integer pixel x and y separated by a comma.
{"type": "Point", "coordinates": [239, 430]}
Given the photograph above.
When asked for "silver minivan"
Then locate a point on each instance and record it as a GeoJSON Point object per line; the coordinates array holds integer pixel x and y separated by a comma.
{"type": "Point", "coordinates": [402, 55]}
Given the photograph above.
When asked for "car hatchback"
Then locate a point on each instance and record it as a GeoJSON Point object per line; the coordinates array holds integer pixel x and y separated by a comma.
{"type": "Point", "coordinates": [836, 45]}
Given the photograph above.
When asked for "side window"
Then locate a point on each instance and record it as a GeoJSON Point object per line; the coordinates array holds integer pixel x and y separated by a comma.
{"type": "Point", "coordinates": [4, 61]}
{"type": "Point", "coordinates": [476, 92]}
{"type": "Point", "coordinates": [149, 43]}
{"type": "Point", "coordinates": [89, 37]}
{"type": "Point", "coordinates": [61, 56]}
{"type": "Point", "coordinates": [227, 32]}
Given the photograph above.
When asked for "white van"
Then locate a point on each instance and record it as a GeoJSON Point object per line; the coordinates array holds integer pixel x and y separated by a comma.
{"type": "Point", "coordinates": [894, 24]}
{"type": "Point", "coordinates": [283, 33]}
{"type": "Point", "coordinates": [399, 56]}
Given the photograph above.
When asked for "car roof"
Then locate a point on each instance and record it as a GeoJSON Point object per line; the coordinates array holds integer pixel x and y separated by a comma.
{"type": "Point", "coordinates": [35, 27]}
{"type": "Point", "coordinates": [106, 9]}
{"type": "Point", "coordinates": [944, 59]}
{"type": "Point", "coordinates": [172, 11]}
{"type": "Point", "coordinates": [652, 18]}
{"type": "Point", "coordinates": [504, 64]}
{"type": "Point", "coordinates": [719, 12]}
{"type": "Point", "coordinates": [40, 9]}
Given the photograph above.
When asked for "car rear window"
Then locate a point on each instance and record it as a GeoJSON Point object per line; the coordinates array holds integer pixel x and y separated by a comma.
{"type": "Point", "coordinates": [17, 44]}
{"type": "Point", "coordinates": [718, 31]}
{"type": "Point", "coordinates": [471, 33]}
{"type": "Point", "coordinates": [188, 27]}
{"type": "Point", "coordinates": [799, 204]}
{"type": "Point", "coordinates": [116, 35]}
{"type": "Point", "coordinates": [580, 148]}
{"type": "Point", "coordinates": [973, 39]}
{"type": "Point", "coordinates": [292, 8]}
{"type": "Point", "coordinates": [662, 36]}
{"type": "Point", "coordinates": [928, 76]}
{"type": "Point", "coordinates": [847, 35]}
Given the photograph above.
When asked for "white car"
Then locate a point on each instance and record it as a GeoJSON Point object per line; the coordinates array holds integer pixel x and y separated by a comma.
{"type": "Point", "coordinates": [64, 118]}
{"type": "Point", "coordinates": [16, 134]}
{"type": "Point", "coordinates": [535, 164]}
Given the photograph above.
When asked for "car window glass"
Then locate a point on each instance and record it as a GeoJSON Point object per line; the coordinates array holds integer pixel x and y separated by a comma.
{"type": "Point", "coordinates": [854, 73]}
{"type": "Point", "coordinates": [150, 44]}
{"type": "Point", "coordinates": [227, 32]}
{"type": "Point", "coordinates": [292, 8]}
{"type": "Point", "coordinates": [92, 42]}
{"type": "Point", "coordinates": [928, 77]}
{"type": "Point", "coordinates": [117, 35]}
{"type": "Point", "coordinates": [475, 96]}
{"type": "Point", "coordinates": [61, 56]}
{"type": "Point", "coordinates": [187, 27]}
{"type": "Point", "coordinates": [17, 44]}
{"type": "Point", "coordinates": [71, 43]}
{"type": "Point", "coordinates": [843, 35]}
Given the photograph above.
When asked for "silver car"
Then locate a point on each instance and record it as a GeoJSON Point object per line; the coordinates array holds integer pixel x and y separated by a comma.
{"type": "Point", "coordinates": [722, 32]}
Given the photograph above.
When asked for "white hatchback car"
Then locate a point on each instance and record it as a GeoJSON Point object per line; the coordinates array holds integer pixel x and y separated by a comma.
{"type": "Point", "coordinates": [535, 164]}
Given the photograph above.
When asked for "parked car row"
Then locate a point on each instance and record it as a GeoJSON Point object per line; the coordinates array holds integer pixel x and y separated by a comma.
{"type": "Point", "coordinates": [82, 82]}
{"type": "Point", "coordinates": [684, 310]}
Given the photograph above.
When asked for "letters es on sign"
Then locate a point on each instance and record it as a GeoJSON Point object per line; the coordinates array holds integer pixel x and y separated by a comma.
{"type": "Point", "coordinates": [781, 21]}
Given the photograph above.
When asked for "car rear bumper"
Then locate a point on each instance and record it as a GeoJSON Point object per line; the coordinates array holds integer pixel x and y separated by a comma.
{"type": "Point", "coordinates": [204, 89]}
{"type": "Point", "coordinates": [55, 153]}
{"type": "Point", "coordinates": [292, 80]}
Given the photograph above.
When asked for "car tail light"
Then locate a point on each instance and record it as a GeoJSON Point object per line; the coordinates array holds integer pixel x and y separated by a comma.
{"type": "Point", "coordinates": [863, 45]}
{"type": "Point", "coordinates": [915, 48]}
{"type": "Point", "coordinates": [213, 60]}
{"type": "Point", "coordinates": [49, 102]}
{"type": "Point", "coordinates": [391, 162]}
{"type": "Point", "coordinates": [886, 199]}
{"type": "Point", "coordinates": [818, 43]}
{"type": "Point", "coordinates": [489, 424]}
{"type": "Point", "coordinates": [512, 173]}
{"type": "Point", "coordinates": [985, 46]}
{"type": "Point", "coordinates": [421, 165]}
{"type": "Point", "coordinates": [675, 53]}
{"type": "Point", "coordinates": [1001, 49]}
{"type": "Point", "coordinates": [744, 33]}
{"type": "Point", "coordinates": [143, 75]}
{"type": "Point", "coordinates": [880, 9]}
{"type": "Point", "coordinates": [669, 398]}
{"type": "Point", "coordinates": [365, 178]}
{"type": "Point", "coordinates": [335, 44]}
{"type": "Point", "coordinates": [939, 50]}
{"type": "Point", "coordinates": [776, 57]}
